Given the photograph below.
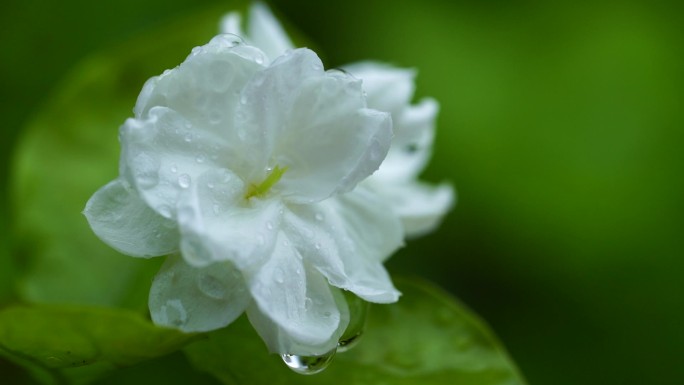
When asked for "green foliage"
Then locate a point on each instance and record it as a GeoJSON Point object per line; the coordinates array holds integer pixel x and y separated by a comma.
{"type": "Point", "coordinates": [70, 344]}
{"type": "Point", "coordinates": [426, 338]}
{"type": "Point", "coordinates": [69, 150]}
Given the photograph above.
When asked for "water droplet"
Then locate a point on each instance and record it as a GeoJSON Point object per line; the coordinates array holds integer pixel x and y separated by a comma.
{"type": "Point", "coordinates": [184, 180]}
{"type": "Point", "coordinates": [164, 211]}
{"type": "Point", "coordinates": [259, 60]}
{"type": "Point", "coordinates": [174, 169]}
{"type": "Point", "coordinates": [269, 225]}
{"type": "Point", "coordinates": [278, 275]}
{"type": "Point", "coordinates": [227, 40]}
{"type": "Point", "coordinates": [188, 137]}
{"type": "Point", "coordinates": [327, 314]}
{"type": "Point", "coordinates": [319, 216]}
{"type": "Point", "coordinates": [308, 364]}
{"type": "Point", "coordinates": [317, 246]}
{"type": "Point", "coordinates": [200, 158]}
{"type": "Point", "coordinates": [146, 171]}
{"type": "Point", "coordinates": [345, 344]}
{"type": "Point", "coordinates": [243, 99]}
{"type": "Point", "coordinates": [175, 313]}
{"type": "Point", "coordinates": [210, 185]}
{"type": "Point", "coordinates": [358, 310]}
{"type": "Point", "coordinates": [211, 286]}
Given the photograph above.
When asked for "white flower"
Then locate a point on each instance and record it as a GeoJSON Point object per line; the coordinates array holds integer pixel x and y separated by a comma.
{"type": "Point", "coordinates": [420, 206]}
{"type": "Point", "coordinates": [247, 167]}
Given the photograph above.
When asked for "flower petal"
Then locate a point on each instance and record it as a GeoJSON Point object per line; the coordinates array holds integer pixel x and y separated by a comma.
{"type": "Point", "coordinates": [420, 206]}
{"type": "Point", "coordinates": [346, 239]}
{"type": "Point", "coordinates": [161, 157]}
{"type": "Point", "coordinates": [265, 31]}
{"type": "Point", "coordinates": [387, 88]}
{"type": "Point", "coordinates": [197, 299]}
{"type": "Point", "coordinates": [123, 221]}
{"type": "Point", "coordinates": [205, 87]}
{"type": "Point", "coordinates": [231, 23]}
{"type": "Point", "coordinates": [297, 312]}
{"type": "Point", "coordinates": [218, 223]}
{"type": "Point", "coordinates": [266, 103]}
{"type": "Point", "coordinates": [331, 141]}
{"type": "Point", "coordinates": [411, 149]}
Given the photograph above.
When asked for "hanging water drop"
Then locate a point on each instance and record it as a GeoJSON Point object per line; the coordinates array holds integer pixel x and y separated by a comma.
{"type": "Point", "coordinates": [308, 364]}
{"type": "Point", "coordinates": [358, 310]}
{"type": "Point", "coordinates": [319, 217]}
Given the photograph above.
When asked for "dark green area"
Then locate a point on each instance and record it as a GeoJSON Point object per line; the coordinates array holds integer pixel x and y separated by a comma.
{"type": "Point", "coordinates": [75, 345]}
{"type": "Point", "coordinates": [426, 338]}
{"type": "Point", "coordinates": [560, 127]}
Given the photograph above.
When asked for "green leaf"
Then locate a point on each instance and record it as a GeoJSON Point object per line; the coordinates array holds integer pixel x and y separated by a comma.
{"type": "Point", "coordinates": [426, 338]}
{"type": "Point", "coordinates": [68, 151]}
{"type": "Point", "coordinates": [170, 369]}
{"type": "Point", "coordinates": [77, 344]}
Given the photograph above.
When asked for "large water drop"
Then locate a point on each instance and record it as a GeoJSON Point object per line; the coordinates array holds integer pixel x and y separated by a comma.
{"type": "Point", "coordinates": [358, 311]}
{"type": "Point", "coordinates": [308, 364]}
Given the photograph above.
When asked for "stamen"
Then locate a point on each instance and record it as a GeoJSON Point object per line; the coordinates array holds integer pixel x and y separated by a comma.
{"type": "Point", "coordinates": [262, 188]}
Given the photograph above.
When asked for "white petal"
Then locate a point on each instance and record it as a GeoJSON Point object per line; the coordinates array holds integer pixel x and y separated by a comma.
{"type": "Point", "coordinates": [346, 238]}
{"type": "Point", "coordinates": [217, 223]}
{"type": "Point", "coordinates": [161, 157]}
{"type": "Point", "coordinates": [388, 88]}
{"type": "Point", "coordinates": [197, 299]}
{"type": "Point", "coordinates": [279, 341]}
{"type": "Point", "coordinates": [123, 221]}
{"type": "Point", "coordinates": [265, 31]}
{"type": "Point", "coordinates": [266, 104]}
{"type": "Point", "coordinates": [297, 312]}
{"type": "Point", "coordinates": [331, 141]}
{"type": "Point", "coordinates": [232, 23]}
{"type": "Point", "coordinates": [204, 89]}
{"type": "Point", "coordinates": [420, 206]}
{"type": "Point", "coordinates": [412, 144]}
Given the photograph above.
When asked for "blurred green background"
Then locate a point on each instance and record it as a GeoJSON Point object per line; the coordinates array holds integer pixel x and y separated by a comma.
{"type": "Point", "coordinates": [560, 126]}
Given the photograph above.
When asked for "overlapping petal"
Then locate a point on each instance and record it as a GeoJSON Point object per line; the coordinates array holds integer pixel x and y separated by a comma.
{"type": "Point", "coordinates": [163, 155]}
{"type": "Point", "coordinates": [122, 220]}
{"type": "Point", "coordinates": [421, 206]}
{"type": "Point", "coordinates": [388, 88]}
{"type": "Point", "coordinates": [295, 309]}
{"type": "Point", "coordinates": [412, 144]}
{"type": "Point", "coordinates": [218, 224]}
{"type": "Point", "coordinates": [197, 299]}
{"type": "Point", "coordinates": [351, 236]}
